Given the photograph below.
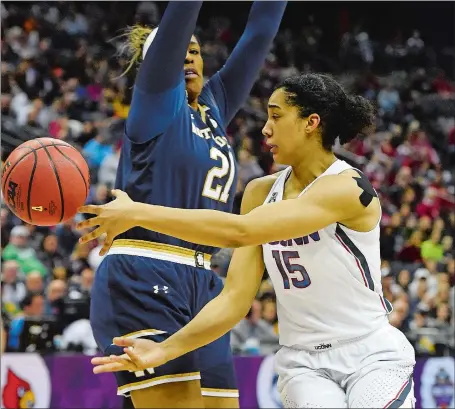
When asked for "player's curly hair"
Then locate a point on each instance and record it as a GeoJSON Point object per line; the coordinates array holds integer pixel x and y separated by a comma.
{"type": "Point", "coordinates": [342, 115]}
{"type": "Point", "coordinates": [135, 37]}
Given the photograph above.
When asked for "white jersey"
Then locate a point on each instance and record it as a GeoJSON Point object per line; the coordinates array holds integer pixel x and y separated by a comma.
{"type": "Point", "coordinates": [328, 284]}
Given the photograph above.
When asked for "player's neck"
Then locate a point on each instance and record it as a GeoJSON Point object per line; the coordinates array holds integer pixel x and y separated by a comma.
{"type": "Point", "coordinates": [194, 104]}
{"type": "Point", "coordinates": [309, 169]}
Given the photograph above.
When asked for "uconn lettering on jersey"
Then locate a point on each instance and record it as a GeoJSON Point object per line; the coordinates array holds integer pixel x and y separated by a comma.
{"type": "Point", "coordinates": [301, 241]}
{"type": "Point", "coordinates": [323, 346]}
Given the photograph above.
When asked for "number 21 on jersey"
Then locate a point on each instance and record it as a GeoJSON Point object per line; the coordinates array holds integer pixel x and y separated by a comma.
{"type": "Point", "coordinates": [213, 189]}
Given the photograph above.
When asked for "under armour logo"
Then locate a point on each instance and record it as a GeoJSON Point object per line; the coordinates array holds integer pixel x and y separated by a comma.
{"type": "Point", "coordinates": [157, 289]}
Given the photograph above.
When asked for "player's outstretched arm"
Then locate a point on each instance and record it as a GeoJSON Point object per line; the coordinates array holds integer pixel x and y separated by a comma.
{"type": "Point", "coordinates": [159, 90]}
{"type": "Point", "coordinates": [242, 67]}
{"type": "Point", "coordinates": [333, 198]}
{"type": "Point", "coordinates": [214, 320]}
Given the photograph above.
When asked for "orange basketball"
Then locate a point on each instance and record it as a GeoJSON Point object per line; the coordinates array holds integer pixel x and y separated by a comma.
{"type": "Point", "coordinates": [44, 181]}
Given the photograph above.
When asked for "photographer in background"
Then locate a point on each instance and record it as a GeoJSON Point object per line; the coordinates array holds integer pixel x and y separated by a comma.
{"type": "Point", "coordinates": [33, 307]}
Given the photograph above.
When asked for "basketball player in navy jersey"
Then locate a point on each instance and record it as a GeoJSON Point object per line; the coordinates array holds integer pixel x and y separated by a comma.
{"type": "Point", "coordinates": [315, 226]}
{"type": "Point", "coordinates": [175, 153]}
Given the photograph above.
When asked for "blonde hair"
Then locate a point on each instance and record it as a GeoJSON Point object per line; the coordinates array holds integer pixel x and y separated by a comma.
{"type": "Point", "coordinates": [135, 38]}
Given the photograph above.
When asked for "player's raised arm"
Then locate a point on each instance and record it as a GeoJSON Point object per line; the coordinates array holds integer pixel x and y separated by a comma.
{"type": "Point", "coordinates": [242, 67]}
{"type": "Point", "coordinates": [159, 90]}
{"type": "Point", "coordinates": [333, 198]}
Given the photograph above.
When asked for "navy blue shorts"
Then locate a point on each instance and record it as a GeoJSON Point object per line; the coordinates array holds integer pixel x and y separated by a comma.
{"type": "Point", "coordinates": [139, 296]}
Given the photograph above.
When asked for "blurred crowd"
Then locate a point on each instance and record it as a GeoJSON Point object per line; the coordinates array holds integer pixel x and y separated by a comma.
{"type": "Point", "coordinates": [61, 72]}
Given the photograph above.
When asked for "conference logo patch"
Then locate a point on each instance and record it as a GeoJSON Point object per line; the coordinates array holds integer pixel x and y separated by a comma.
{"type": "Point", "coordinates": [437, 383]}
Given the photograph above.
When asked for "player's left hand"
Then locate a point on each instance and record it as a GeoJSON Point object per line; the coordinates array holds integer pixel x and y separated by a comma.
{"type": "Point", "coordinates": [112, 219]}
{"type": "Point", "coordinates": [140, 354]}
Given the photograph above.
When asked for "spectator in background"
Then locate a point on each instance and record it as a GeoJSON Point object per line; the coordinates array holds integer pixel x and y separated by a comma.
{"type": "Point", "coordinates": [34, 282]}
{"type": "Point", "coordinates": [76, 303]}
{"type": "Point", "coordinates": [399, 314]}
{"type": "Point", "coordinates": [67, 235]}
{"type": "Point", "coordinates": [447, 247]}
{"type": "Point", "coordinates": [6, 227]}
{"type": "Point", "coordinates": [18, 249]}
{"type": "Point", "coordinates": [55, 292]}
{"type": "Point", "coordinates": [442, 320]}
{"type": "Point", "coordinates": [427, 273]}
{"type": "Point", "coordinates": [95, 151]}
{"type": "Point", "coordinates": [388, 99]}
{"type": "Point", "coordinates": [13, 289]}
{"type": "Point", "coordinates": [108, 168]}
{"type": "Point", "coordinates": [404, 280]}
{"type": "Point", "coordinates": [415, 44]}
{"type": "Point", "coordinates": [82, 285]}
{"type": "Point", "coordinates": [51, 257]}
{"type": "Point", "coordinates": [416, 333]}
{"type": "Point", "coordinates": [450, 268]}
{"type": "Point", "coordinates": [219, 262]}
{"type": "Point", "coordinates": [99, 196]}
{"type": "Point", "coordinates": [36, 235]}
{"type": "Point", "coordinates": [432, 249]}
{"type": "Point", "coordinates": [269, 311]}
{"type": "Point", "coordinates": [389, 287]}
{"type": "Point", "coordinates": [79, 259]}
{"type": "Point", "coordinates": [388, 242]}
{"type": "Point", "coordinates": [429, 206]}
{"type": "Point", "coordinates": [249, 168]}
{"type": "Point", "coordinates": [424, 226]}
{"type": "Point", "coordinates": [411, 253]}
{"type": "Point", "coordinates": [253, 335]}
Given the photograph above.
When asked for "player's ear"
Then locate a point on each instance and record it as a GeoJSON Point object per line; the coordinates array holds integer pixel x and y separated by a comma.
{"type": "Point", "coordinates": [312, 122]}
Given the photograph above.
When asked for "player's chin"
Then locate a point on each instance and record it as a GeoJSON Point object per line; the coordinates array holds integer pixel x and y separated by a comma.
{"type": "Point", "coordinates": [280, 158]}
{"type": "Point", "coordinates": [193, 86]}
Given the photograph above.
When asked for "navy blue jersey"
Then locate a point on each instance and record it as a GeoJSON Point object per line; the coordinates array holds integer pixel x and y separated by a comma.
{"type": "Point", "coordinates": [173, 155]}
{"type": "Point", "coordinates": [190, 165]}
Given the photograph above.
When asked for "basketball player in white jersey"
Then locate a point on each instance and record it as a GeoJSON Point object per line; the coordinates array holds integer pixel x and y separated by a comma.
{"type": "Point", "coordinates": [315, 226]}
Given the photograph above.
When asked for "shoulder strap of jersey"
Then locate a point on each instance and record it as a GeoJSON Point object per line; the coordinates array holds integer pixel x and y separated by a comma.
{"type": "Point", "coordinates": [276, 192]}
{"type": "Point", "coordinates": [334, 169]}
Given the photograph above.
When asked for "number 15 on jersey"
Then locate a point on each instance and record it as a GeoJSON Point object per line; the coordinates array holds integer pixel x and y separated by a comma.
{"type": "Point", "coordinates": [292, 272]}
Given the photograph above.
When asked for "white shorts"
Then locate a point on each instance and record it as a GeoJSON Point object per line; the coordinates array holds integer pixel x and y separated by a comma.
{"type": "Point", "coordinates": [372, 372]}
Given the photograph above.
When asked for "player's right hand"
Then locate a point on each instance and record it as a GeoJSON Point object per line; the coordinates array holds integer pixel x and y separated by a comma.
{"type": "Point", "coordinates": [140, 354]}
{"type": "Point", "coordinates": [112, 219]}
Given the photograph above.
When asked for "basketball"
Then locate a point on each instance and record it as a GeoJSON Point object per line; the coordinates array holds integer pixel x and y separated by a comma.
{"type": "Point", "coordinates": [44, 181]}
